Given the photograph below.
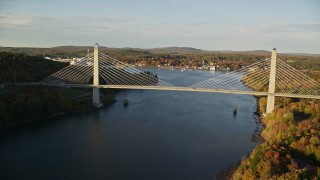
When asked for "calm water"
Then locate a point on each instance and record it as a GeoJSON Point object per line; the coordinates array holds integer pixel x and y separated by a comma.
{"type": "Point", "coordinates": [160, 135]}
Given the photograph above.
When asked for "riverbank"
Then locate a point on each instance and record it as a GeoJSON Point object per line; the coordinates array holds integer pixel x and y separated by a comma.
{"type": "Point", "coordinates": [19, 106]}
{"type": "Point", "coordinates": [291, 147]}
{"type": "Point", "coordinates": [181, 68]}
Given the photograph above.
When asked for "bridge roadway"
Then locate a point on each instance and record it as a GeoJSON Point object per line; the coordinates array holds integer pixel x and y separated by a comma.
{"type": "Point", "coordinates": [255, 93]}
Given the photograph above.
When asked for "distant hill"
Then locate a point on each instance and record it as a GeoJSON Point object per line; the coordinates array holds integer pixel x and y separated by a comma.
{"type": "Point", "coordinates": [260, 52]}
{"type": "Point", "coordinates": [301, 54]}
{"type": "Point", "coordinates": [253, 52]}
{"type": "Point", "coordinates": [72, 51]}
{"type": "Point", "coordinates": [175, 50]}
{"type": "Point", "coordinates": [80, 51]}
{"type": "Point", "coordinates": [24, 50]}
{"type": "Point", "coordinates": [71, 47]}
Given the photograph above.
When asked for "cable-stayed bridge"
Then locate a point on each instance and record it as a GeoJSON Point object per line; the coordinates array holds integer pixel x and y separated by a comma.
{"type": "Point", "coordinates": [98, 70]}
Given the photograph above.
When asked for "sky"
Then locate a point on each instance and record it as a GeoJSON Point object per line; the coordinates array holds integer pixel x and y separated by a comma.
{"type": "Point", "coordinates": [288, 25]}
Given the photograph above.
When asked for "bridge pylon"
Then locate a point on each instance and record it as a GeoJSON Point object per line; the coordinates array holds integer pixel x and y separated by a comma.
{"type": "Point", "coordinates": [96, 91]}
{"type": "Point", "coordinates": [272, 82]}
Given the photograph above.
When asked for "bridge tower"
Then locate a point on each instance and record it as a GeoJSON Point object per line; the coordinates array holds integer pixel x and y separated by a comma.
{"type": "Point", "coordinates": [96, 91]}
{"type": "Point", "coordinates": [272, 81]}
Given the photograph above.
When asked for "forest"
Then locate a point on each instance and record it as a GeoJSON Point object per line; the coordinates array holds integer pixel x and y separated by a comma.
{"type": "Point", "coordinates": [15, 68]}
{"type": "Point", "coordinates": [291, 147]}
{"type": "Point", "coordinates": [23, 104]}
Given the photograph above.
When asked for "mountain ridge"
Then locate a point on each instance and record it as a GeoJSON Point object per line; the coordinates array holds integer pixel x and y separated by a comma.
{"type": "Point", "coordinates": [164, 50]}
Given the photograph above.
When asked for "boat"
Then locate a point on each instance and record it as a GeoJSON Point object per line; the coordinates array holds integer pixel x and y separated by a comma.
{"type": "Point", "coordinates": [234, 110]}
{"type": "Point", "coordinates": [125, 102]}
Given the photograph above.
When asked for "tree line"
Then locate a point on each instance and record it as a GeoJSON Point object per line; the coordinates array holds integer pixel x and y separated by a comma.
{"type": "Point", "coordinates": [25, 68]}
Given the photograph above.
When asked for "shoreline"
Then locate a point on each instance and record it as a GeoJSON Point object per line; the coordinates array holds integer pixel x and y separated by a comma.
{"type": "Point", "coordinates": [58, 115]}
{"type": "Point", "coordinates": [189, 69]}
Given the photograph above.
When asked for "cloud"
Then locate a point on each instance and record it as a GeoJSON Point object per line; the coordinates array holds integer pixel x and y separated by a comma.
{"type": "Point", "coordinates": [297, 27]}
{"type": "Point", "coordinates": [213, 29]}
{"type": "Point", "coordinates": [11, 20]}
{"type": "Point", "coordinates": [130, 25]}
{"type": "Point", "coordinates": [148, 32]}
{"type": "Point", "coordinates": [284, 30]}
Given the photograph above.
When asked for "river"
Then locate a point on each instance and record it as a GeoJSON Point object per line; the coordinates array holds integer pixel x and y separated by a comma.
{"type": "Point", "coordinates": [160, 135]}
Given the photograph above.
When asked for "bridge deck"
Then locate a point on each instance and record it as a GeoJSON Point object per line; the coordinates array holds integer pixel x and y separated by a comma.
{"type": "Point", "coordinates": [256, 93]}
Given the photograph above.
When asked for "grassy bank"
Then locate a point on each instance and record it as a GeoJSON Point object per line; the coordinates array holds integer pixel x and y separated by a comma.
{"type": "Point", "coordinates": [291, 149]}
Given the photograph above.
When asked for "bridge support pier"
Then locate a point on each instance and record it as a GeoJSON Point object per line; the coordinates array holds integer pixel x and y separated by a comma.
{"type": "Point", "coordinates": [270, 104]}
{"type": "Point", "coordinates": [96, 91]}
{"type": "Point", "coordinates": [272, 82]}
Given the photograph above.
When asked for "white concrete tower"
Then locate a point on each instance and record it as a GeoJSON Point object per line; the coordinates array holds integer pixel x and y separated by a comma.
{"type": "Point", "coordinates": [96, 91]}
{"type": "Point", "coordinates": [272, 81]}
